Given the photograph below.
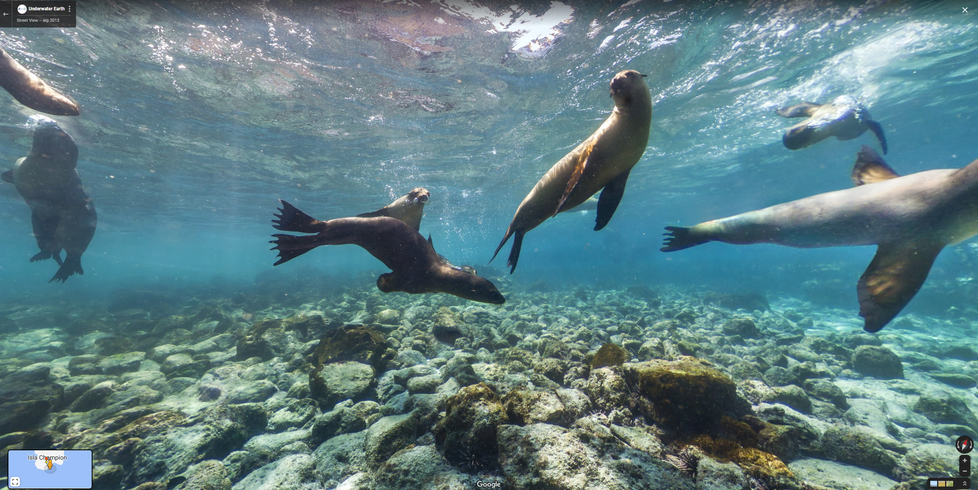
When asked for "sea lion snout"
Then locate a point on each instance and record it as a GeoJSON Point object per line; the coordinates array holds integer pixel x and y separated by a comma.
{"type": "Point", "coordinates": [625, 86]}
{"type": "Point", "coordinates": [622, 83]}
{"type": "Point", "coordinates": [419, 195]}
{"type": "Point", "coordinates": [482, 290]}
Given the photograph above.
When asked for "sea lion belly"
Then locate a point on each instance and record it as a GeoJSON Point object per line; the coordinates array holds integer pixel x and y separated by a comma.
{"type": "Point", "coordinates": [865, 215]}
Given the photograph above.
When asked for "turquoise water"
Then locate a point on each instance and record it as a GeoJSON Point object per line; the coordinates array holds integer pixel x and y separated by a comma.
{"type": "Point", "coordinates": [198, 116]}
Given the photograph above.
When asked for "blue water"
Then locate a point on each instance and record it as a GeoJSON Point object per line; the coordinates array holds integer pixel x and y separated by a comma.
{"type": "Point", "coordinates": [197, 117]}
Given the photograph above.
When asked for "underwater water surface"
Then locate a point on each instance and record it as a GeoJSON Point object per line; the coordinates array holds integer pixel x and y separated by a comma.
{"type": "Point", "coordinates": [196, 117]}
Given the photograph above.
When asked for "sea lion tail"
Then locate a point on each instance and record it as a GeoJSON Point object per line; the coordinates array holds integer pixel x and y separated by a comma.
{"type": "Point", "coordinates": [292, 219]}
{"type": "Point", "coordinates": [70, 267]}
{"type": "Point", "coordinates": [679, 238]}
{"type": "Point", "coordinates": [291, 246]}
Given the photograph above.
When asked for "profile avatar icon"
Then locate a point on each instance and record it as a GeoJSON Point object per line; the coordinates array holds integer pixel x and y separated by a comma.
{"type": "Point", "coordinates": [964, 444]}
{"type": "Point", "coordinates": [22, 9]}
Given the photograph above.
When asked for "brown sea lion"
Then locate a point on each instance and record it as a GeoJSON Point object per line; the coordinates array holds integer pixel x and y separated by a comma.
{"type": "Point", "coordinates": [31, 91]}
{"type": "Point", "coordinates": [408, 208]}
{"type": "Point", "coordinates": [845, 118]}
{"type": "Point", "coordinates": [62, 214]}
{"type": "Point", "coordinates": [415, 266]}
{"type": "Point", "coordinates": [910, 218]}
{"type": "Point", "coordinates": [602, 161]}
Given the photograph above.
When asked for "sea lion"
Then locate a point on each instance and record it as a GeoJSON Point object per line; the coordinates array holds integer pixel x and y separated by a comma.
{"type": "Point", "coordinates": [31, 91]}
{"type": "Point", "coordinates": [602, 161]}
{"type": "Point", "coordinates": [415, 266]}
{"type": "Point", "coordinates": [910, 218]}
{"type": "Point", "coordinates": [408, 208]}
{"type": "Point", "coordinates": [844, 118]}
{"type": "Point", "coordinates": [62, 214]}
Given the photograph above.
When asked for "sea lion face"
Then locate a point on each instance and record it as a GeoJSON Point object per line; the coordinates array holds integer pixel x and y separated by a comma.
{"type": "Point", "coordinates": [624, 85]}
{"type": "Point", "coordinates": [50, 141]}
{"type": "Point", "coordinates": [475, 288]}
{"type": "Point", "coordinates": [418, 195]}
{"type": "Point", "coordinates": [465, 285]}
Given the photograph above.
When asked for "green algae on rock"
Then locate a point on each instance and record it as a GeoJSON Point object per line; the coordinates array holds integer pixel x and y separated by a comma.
{"type": "Point", "coordinates": [610, 355]}
{"type": "Point", "coordinates": [466, 435]}
{"type": "Point", "coordinates": [353, 343]}
{"type": "Point", "coordinates": [685, 395]}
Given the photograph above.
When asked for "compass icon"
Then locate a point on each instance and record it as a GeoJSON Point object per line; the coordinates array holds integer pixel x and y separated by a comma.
{"type": "Point", "coordinates": [964, 444]}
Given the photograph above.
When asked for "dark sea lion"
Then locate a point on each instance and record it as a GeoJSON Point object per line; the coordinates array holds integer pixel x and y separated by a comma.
{"type": "Point", "coordinates": [62, 214]}
{"type": "Point", "coordinates": [910, 218]}
{"type": "Point", "coordinates": [845, 118]}
{"type": "Point", "coordinates": [31, 91]}
{"type": "Point", "coordinates": [415, 266]}
{"type": "Point", "coordinates": [408, 208]}
{"type": "Point", "coordinates": [602, 161]}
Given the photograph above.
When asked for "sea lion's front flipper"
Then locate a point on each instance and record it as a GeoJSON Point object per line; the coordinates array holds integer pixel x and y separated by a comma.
{"type": "Point", "coordinates": [878, 131]}
{"type": "Point", "coordinates": [805, 109]}
{"type": "Point", "coordinates": [8, 176]}
{"type": "Point", "coordinates": [870, 168]}
{"type": "Point", "coordinates": [575, 177]}
{"type": "Point", "coordinates": [32, 91]}
{"type": "Point", "coordinates": [292, 219]}
{"type": "Point", "coordinates": [376, 214]}
{"type": "Point", "coordinates": [610, 197]}
{"type": "Point", "coordinates": [680, 238]}
{"type": "Point", "coordinates": [892, 279]}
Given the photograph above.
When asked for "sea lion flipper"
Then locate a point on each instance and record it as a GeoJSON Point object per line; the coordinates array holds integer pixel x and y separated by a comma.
{"type": "Point", "coordinates": [610, 197]}
{"type": "Point", "coordinates": [32, 91]}
{"type": "Point", "coordinates": [892, 279]}
{"type": "Point", "coordinates": [70, 267]}
{"type": "Point", "coordinates": [292, 219]}
{"type": "Point", "coordinates": [877, 129]}
{"type": "Point", "coordinates": [680, 238]}
{"type": "Point", "coordinates": [8, 176]}
{"type": "Point", "coordinates": [376, 214]}
{"type": "Point", "coordinates": [575, 177]}
{"type": "Point", "coordinates": [509, 233]}
{"type": "Point", "coordinates": [805, 109]}
{"type": "Point", "coordinates": [870, 168]}
{"type": "Point", "coordinates": [385, 212]}
{"type": "Point", "coordinates": [514, 253]}
{"type": "Point", "coordinates": [291, 246]}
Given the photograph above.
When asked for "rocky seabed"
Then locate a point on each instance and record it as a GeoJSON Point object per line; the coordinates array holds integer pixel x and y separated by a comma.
{"type": "Point", "coordinates": [632, 388]}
